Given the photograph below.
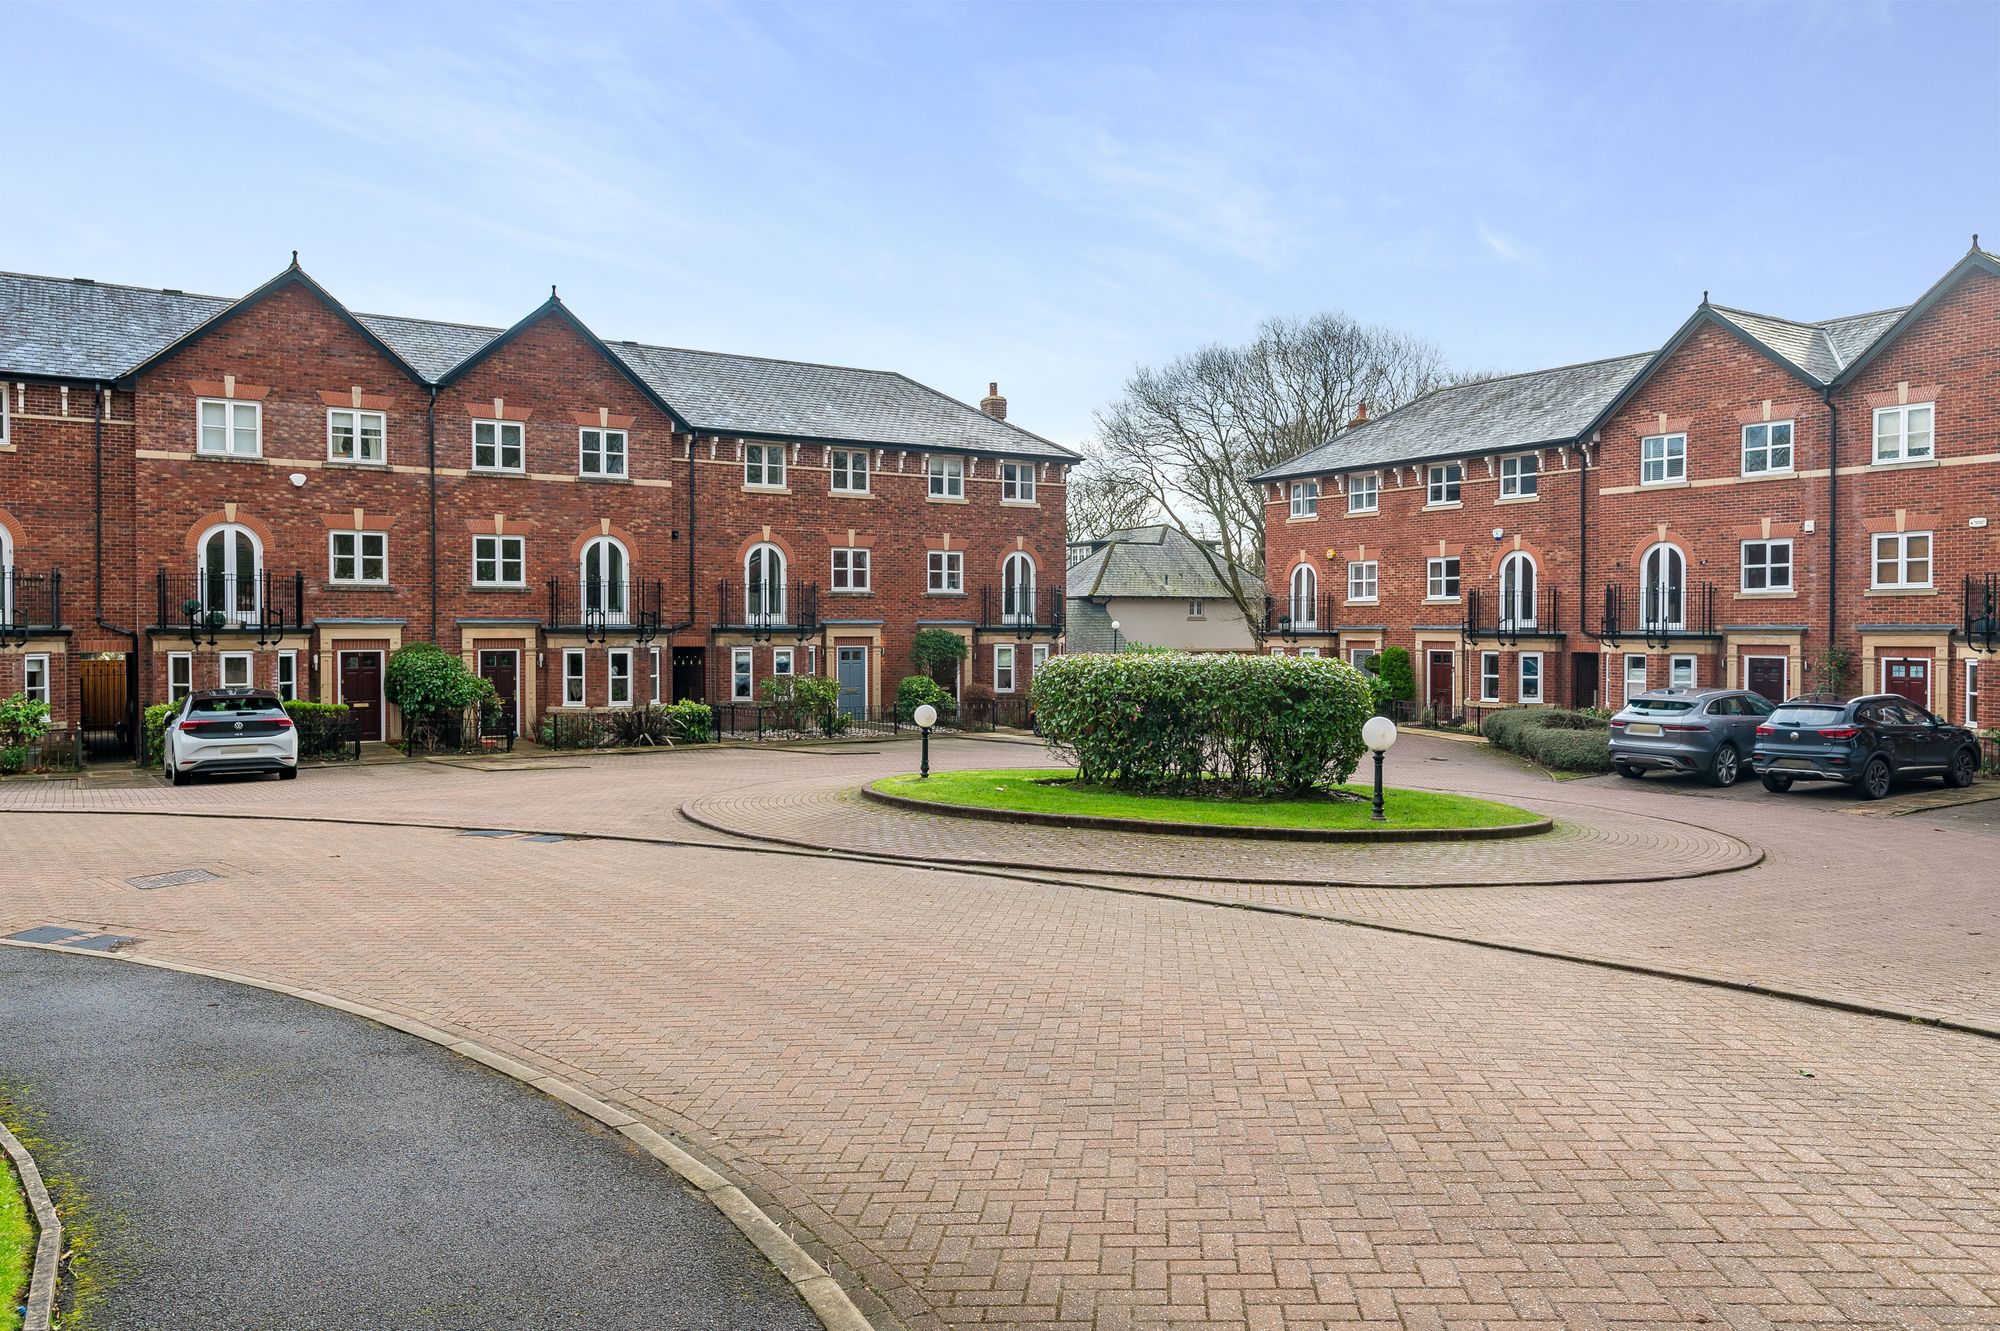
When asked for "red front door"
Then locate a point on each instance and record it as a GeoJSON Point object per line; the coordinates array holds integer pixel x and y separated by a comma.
{"type": "Point", "coordinates": [1908, 677]}
{"type": "Point", "coordinates": [501, 669]}
{"type": "Point", "coordinates": [361, 690]}
{"type": "Point", "coordinates": [1442, 687]}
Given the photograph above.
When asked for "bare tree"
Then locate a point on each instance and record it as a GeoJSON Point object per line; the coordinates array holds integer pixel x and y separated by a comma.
{"type": "Point", "coordinates": [1189, 434]}
{"type": "Point", "coordinates": [1099, 500]}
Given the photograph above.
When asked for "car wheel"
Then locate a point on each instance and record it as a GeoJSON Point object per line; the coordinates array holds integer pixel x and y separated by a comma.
{"type": "Point", "coordinates": [1776, 784]}
{"type": "Point", "coordinates": [1875, 778]}
{"type": "Point", "coordinates": [1630, 773]}
{"type": "Point", "coordinates": [1726, 768]}
{"type": "Point", "coordinates": [1964, 769]}
{"type": "Point", "coordinates": [175, 777]}
{"type": "Point", "coordinates": [288, 773]}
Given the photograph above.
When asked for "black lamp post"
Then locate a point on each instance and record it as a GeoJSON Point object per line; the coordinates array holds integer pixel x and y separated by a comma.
{"type": "Point", "coordinates": [1114, 637]}
{"type": "Point", "coordinates": [925, 716]}
{"type": "Point", "coordinates": [1379, 734]}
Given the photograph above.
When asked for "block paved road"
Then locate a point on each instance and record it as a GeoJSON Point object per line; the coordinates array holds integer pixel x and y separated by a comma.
{"type": "Point", "coordinates": [993, 1101]}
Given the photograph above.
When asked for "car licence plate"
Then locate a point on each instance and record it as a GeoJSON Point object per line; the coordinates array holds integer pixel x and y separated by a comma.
{"type": "Point", "coordinates": [1793, 764]}
{"type": "Point", "coordinates": [240, 748]}
{"type": "Point", "coordinates": [1642, 728]}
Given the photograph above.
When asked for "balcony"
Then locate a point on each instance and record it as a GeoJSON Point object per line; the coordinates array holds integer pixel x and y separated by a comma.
{"type": "Point", "coordinates": [207, 605]}
{"type": "Point", "coordinates": [601, 609]}
{"type": "Point", "coordinates": [29, 603]}
{"type": "Point", "coordinates": [768, 609]}
{"type": "Point", "coordinates": [1025, 611]}
{"type": "Point", "coordinates": [1292, 617]}
{"type": "Point", "coordinates": [1493, 619]}
{"type": "Point", "coordinates": [1982, 611]}
{"type": "Point", "coordinates": [1661, 615]}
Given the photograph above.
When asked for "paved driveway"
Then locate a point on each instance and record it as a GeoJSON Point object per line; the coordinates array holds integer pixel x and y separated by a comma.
{"type": "Point", "coordinates": [1017, 1099]}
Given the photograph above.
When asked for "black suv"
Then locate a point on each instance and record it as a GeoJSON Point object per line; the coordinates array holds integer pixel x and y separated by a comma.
{"type": "Point", "coordinates": [1866, 742]}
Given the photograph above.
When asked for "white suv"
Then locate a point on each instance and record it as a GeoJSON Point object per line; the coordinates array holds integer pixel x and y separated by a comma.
{"type": "Point", "coordinates": [230, 730]}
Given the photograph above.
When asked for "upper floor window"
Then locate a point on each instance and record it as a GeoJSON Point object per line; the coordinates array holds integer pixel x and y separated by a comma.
{"type": "Point", "coordinates": [1441, 580]}
{"type": "Point", "coordinates": [1363, 493]}
{"type": "Point", "coordinates": [1362, 575]}
{"type": "Point", "coordinates": [1305, 597]}
{"type": "Point", "coordinates": [1767, 566]}
{"type": "Point", "coordinates": [496, 446]}
{"type": "Point", "coordinates": [607, 578]}
{"type": "Point", "coordinates": [945, 571]}
{"type": "Point", "coordinates": [764, 585]}
{"type": "Point", "coordinates": [1444, 480]}
{"type": "Point", "coordinates": [947, 477]}
{"type": "Point", "coordinates": [1663, 585]}
{"type": "Point", "coordinates": [849, 467]}
{"type": "Point", "coordinates": [850, 568]}
{"type": "Point", "coordinates": [1017, 589]}
{"type": "Point", "coordinates": [499, 561]}
{"type": "Point", "coordinates": [1305, 499]}
{"type": "Point", "coordinates": [1517, 590]}
{"type": "Point", "coordinates": [1194, 608]}
{"type": "Point", "coordinates": [359, 556]}
{"type": "Point", "coordinates": [1903, 559]}
{"type": "Point", "coordinates": [602, 452]}
{"type": "Point", "coordinates": [1903, 434]}
{"type": "Point", "coordinates": [1663, 458]}
{"type": "Point", "coordinates": [1767, 448]}
{"type": "Point", "coordinates": [230, 428]}
{"type": "Point", "coordinates": [355, 436]}
{"type": "Point", "coordinates": [764, 465]}
{"type": "Point", "coordinates": [230, 562]}
{"type": "Point", "coordinates": [1520, 476]}
{"type": "Point", "coordinates": [6, 415]}
{"type": "Point", "coordinates": [1017, 482]}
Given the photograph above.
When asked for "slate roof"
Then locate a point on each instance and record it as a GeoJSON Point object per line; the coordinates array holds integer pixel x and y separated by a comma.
{"type": "Point", "coordinates": [1087, 627]}
{"type": "Point", "coordinates": [63, 328]}
{"type": "Point", "coordinates": [1147, 561]}
{"type": "Point", "coordinates": [1819, 351]}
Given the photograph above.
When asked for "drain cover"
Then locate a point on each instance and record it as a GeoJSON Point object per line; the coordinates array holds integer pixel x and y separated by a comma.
{"type": "Point", "coordinates": [484, 831]}
{"type": "Point", "coordinates": [45, 933]}
{"type": "Point", "coordinates": [172, 878]}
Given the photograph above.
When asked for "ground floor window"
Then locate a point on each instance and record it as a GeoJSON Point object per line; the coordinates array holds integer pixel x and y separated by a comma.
{"type": "Point", "coordinates": [1003, 668]}
{"type": "Point", "coordinates": [35, 677]}
{"type": "Point", "coordinates": [1277, 651]}
{"type": "Point", "coordinates": [572, 677]}
{"type": "Point", "coordinates": [619, 677]}
{"type": "Point", "coordinates": [1362, 659]}
{"type": "Point", "coordinates": [781, 661]}
{"type": "Point", "coordinates": [1037, 655]}
{"type": "Point", "coordinates": [237, 670]}
{"type": "Point", "coordinates": [1309, 651]}
{"type": "Point", "coordinates": [1635, 675]}
{"type": "Point", "coordinates": [1971, 717]}
{"type": "Point", "coordinates": [741, 686]}
{"type": "Point", "coordinates": [1489, 677]}
{"type": "Point", "coordinates": [655, 667]}
{"type": "Point", "coordinates": [288, 676]}
{"type": "Point", "coordinates": [1680, 672]}
{"type": "Point", "coordinates": [180, 676]}
{"type": "Point", "coordinates": [1531, 677]}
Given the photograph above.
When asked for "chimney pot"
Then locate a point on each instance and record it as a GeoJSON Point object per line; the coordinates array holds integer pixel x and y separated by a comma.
{"type": "Point", "coordinates": [1360, 415]}
{"type": "Point", "coordinates": [993, 404]}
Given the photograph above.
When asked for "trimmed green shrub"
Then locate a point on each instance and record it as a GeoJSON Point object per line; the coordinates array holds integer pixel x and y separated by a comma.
{"type": "Point", "coordinates": [689, 722]}
{"type": "Point", "coordinates": [1569, 741]}
{"type": "Point", "coordinates": [322, 728]}
{"type": "Point", "coordinates": [155, 725]}
{"type": "Point", "coordinates": [916, 690]}
{"type": "Point", "coordinates": [425, 681]}
{"type": "Point", "coordinates": [23, 721]}
{"type": "Point", "coordinates": [935, 650]}
{"type": "Point", "coordinates": [804, 702]}
{"type": "Point", "coordinates": [1393, 668]}
{"type": "Point", "coordinates": [1176, 721]}
{"type": "Point", "coordinates": [15, 760]}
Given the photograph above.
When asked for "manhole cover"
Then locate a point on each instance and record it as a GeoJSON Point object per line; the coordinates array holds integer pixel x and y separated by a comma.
{"type": "Point", "coordinates": [174, 878]}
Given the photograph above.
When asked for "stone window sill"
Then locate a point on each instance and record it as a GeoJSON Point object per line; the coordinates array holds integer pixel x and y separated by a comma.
{"type": "Point", "coordinates": [1445, 506]}
{"type": "Point", "coordinates": [767, 489]}
{"type": "Point", "coordinates": [1784, 595]}
{"type": "Point", "coordinates": [1301, 517]}
{"type": "Point", "coordinates": [1517, 499]}
{"type": "Point", "coordinates": [603, 480]}
{"type": "Point", "coordinates": [1664, 485]}
{"type": "Point", "coordinates": [1364, 512]}
{"type": "Point", "coordinates": [360, 464]}
{"type": "Point", "coordinates": [944, 499]}
{"type": "Point", "coordinates": [1902, 464]}
{"type": "Point", "coordinates": [1900, 591]}
{"type": "Point", "coordinates": [852, 494]}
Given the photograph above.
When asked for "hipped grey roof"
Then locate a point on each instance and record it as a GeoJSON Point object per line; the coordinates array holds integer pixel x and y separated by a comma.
{"type": "Point", "coordinates": [1087, 627]}
{"type": "Point", "coordinates": [72, 329]}
{"type": "Point", "coordinates": [1148, 561]}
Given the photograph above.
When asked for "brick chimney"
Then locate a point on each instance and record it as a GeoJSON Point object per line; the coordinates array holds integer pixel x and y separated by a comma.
{"type": "Point", "coordinates": [993, 404]}
{"type": "Point", "coordinates": [1360, 415]}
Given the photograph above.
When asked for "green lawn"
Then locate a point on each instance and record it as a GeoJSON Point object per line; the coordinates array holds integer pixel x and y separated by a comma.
{"type": "Point", "coordinates": [17, 1246]}
{"type": "Point", "coordinates": [1025, 790]}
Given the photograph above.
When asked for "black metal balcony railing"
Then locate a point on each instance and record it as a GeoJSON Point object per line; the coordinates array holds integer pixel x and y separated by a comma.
{"type": "Point", "coordinates": [768, 609]}
{"type": "Point", "coordinates": [29, 602]}
{"type": "Point", "coordinates": [205, 604]}
{"type": "Point", "coordinates": [1292, 616]}
{"type": "Point", "coordinates": [602, 609]}
{"type": "Point", "coordinates": [1982, 611]}
{"type": "Point", "coordinates": [1026, 610]}
{"type": "Point", "coordinates": [1494, 618]}
{"type": "Point", "coordinates": [1661, 614]}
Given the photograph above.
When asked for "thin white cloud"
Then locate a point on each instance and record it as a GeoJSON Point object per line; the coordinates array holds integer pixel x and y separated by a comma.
{"type": "Point", "coordinates": [1504, 247]}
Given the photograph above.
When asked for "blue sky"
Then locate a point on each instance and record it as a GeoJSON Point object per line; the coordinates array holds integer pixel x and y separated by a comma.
{"type": "Point", "coordinates": [1045, 195]}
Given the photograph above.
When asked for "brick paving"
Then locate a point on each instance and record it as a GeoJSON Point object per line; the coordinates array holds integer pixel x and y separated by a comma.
{"type": "Point", "coordinates": [995, 1101]}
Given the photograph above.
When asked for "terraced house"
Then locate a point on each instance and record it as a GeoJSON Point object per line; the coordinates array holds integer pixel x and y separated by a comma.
{"type": "Point", "coordinates": [275, 490]}
{"type": "Point", "coordinates": [1721, 511]}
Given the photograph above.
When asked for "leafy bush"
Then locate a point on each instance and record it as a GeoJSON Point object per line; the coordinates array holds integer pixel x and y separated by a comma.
{"type": "Point", "coordinates": [322, 728]}
{"type": "Point", "coordinates": [916, 690]}
{"type": "Point", "coordinates": [23, 721]}
{"type": "Point", "coordinates": [976, 692]}
{"type": "Point", "coordinates": [1177, 721]}
{"type": "Point", "coordinates": [689, 722]}
{"type": "Point", "coordinates": [425, 681]}
{"type": "Point", "coordinates": [1569, 741]}
{"type": "Point", "coordinates": [804, 702]}
{"type": "Point", "coordinates": [684, 722]}
{"type": "Point", "coordinates": [155, 724]}
{"type": "Point", "coordinates": [16, 759]}
{"type": "Point", "coordinates": [1393, 668]}
{"type": "Point", "coordinates": [934, 650]}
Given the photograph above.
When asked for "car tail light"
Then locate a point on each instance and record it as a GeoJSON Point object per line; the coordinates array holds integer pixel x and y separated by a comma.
{"type": "Point", "coordinates": [1686, 729]}
{"type": "Point", "coordinates": [1840, 732]}
{"type": "Point", "coordinates": [1767, 730]}
{"type": "Point", "coordinates": [1617, 725]}
{"type": "Point", "coordinates": [283, 723]}
{"type": "Point", "coordinates": [189, 727]}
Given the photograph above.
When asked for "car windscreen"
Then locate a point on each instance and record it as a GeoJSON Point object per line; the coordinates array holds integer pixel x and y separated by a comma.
{"type": "Point", "coordinates": [1659, 706]}
{"type": "Point", "coordinates": [1807, 716]}
{"type": "Point", "coordinates": [233, 706]}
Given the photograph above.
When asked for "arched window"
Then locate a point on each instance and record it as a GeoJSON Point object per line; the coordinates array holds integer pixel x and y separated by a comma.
{"type": "Point", "coordinates": [1017, 589]}
{"type": "Point", "coordinates": [764, 585]}
{"type": "Point", "coordinates": [1305, 597]}
{"type": "Point", "coordinates": [607, 579]}
{"type": "Point", "coordinates": [230, 573]}
{"type": "Point", "coordinates": [6, 563]}
{"type": "Point", "coordinates": [1517, 590]}
{"type": "Point", "coordinates": [1663, 584]}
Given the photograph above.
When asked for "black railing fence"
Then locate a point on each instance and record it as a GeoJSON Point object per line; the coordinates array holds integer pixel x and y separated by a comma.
{"type": "Point", "coordinates": [1982, 611]}
{"type": "Point", "coordinates": [1026, 610]}
{"type": "Point", "coordinates": [768, 609]}
{"type": "Point", "coordinates": [205, 603]}
{"type": "Point", "coordinates": [1289, 616]}
{"type": "Point", "coordinates": [1509, 619]}
{"type": "Point", "coordinates": [1660, 613]}
{"type": "Point", "coordinates": [606, 608]}
{"type": "Point", "coordinates": [29, 601]}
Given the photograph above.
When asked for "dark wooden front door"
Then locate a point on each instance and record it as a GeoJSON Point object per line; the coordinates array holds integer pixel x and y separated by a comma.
{"type": "Point", "coordinates": [690, 674]}
{"type": "Point", "coordinates": [1765, 677]}
{"type": "Point", "coordinates": [106, 720]}
{"type": "Point", "coordinates": [1441, 689]}
{"type": "Point", "coordinates": [502, 669]}
{"type": "Point", "coordinates": [1584, 670]}
{"type": "Point", "coordinates": [361, 690]}
{"type": "Point", "coordinates": [1908, 677]}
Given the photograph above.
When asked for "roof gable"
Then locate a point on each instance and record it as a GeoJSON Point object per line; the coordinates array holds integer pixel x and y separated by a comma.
{"type": "Point", "coordinates": [553, 308]}
{"type": "Point", "coordinates": [1975, 261]}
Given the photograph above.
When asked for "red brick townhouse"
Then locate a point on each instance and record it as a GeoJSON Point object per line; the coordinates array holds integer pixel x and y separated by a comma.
{"type": "Point", "coordinates": [1719, 512]}
{"type": "Point", "coordinates": [275, 490]}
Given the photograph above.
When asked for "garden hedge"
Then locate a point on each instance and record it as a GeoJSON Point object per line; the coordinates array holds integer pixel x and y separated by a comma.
{"type": "Point", "coordinates": [1570, 741]}
{"type": "Point", "coordinates": [1174, 721]}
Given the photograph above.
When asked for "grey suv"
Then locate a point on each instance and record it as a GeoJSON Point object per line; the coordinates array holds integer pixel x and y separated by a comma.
{"type": "Point", "coordinates": [1866, 742]}
{"type": "Point", "coordinates": [1705, 731]}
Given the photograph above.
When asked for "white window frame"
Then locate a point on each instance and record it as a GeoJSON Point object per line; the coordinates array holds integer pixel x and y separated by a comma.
{"type": "Point", "coordinates": [360, 556]}
{"type": "Point", "coordinates": [288, 676]}
{"type": "Point", "coordinates": [613, 678]}
{"type": "Point", "coordinates": [1900, 415]}
{"type": "Point", "coordinates": [945, 477]}
{"type": "Point", "coordinates": [1017, 482]}
{"type": "Point", "coordinates": [1305, 588]}
{"type": "Point", "coordinates": [573, 664]}
{"type": "Point", "coordinates": [357, 427]}
{"type": "Point", "coordinates": [944, 572]}
{"type": "Point", "coordinates": [765, 599]}
{"type": "Point", "coordinates": [1626, 667]}
{"type": "Point", "coordinates": [1900, 540]}
{"type": "Point", "coordinates": [1364, 581]}
{"type": "Point", "coordinates": [843, 466]}
{"type": "Point", "coordinates": [33, 664]}
{"type": "Point", "coordinates": [1444, 484]}
{"type": "Point", "coordinates": [1309, 653]}
{"type": "Point", "coordinates": [230, 660]}
{"type": "Point", "coordinates": [614, 597]}
{"type": "Point", "coordinates": [1195, 608]}
{"type": "Point", "coordinates": [180, 676]}
{"type": "Point", "coordinates": [1363, 658]}
{"type": "Point", "coordinates": [1971, 717]}
{"type": "Point", "coordinates": [1305, 499]}
{"type": "Point", "coordinates": [1017, 588]}
{"type": "Point", "coordinates": [502, 430]}
{"type": "Point", "coordinates": [498, 545]}
{"type": "Point", "coordinates": [1768, 448]}
{"type": "Point", "coordinates": [853, 568]}
{"type": "Point", "coordinates": [1489, 677]}
{"type": "Point", "coordinates": [1038, 656]}
{"type": "Point", "coordinates": [232, 430]}
{"type": "Point", "coordinates": [1516, 610]}
{"type": "Point", "coordinates": [595, 459]}
{"type": "Point", "coordinates": [1364, 492]}
{"type": "Point", "coordinates": [742, 674]}
{"type": "Point", "coordinates": [1521, 476]}
{"type": "Point", "coordinates": [1671, 461]}
{"type": "Point", "coordinates": [1681, 673]}
{"type": "Point", "coordinates": [7, 415]}
{"type": "Point", "coordinates": [1443, 576]}
{"type": "Point", "coordinates": [764, 466]}
{"type": "Point", "coordinates": [1670, 558]}
{"type": "Point", "coordinates": [1528, 677]}
{"type": "Point", "coordinates": [784, 665]}
{"type": "Point", "coordinates": [1003, 667]}
{"type": "Point", "coordinates": [1765, 566]}
{"type": "Point", "coordinates": [655, 666]}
